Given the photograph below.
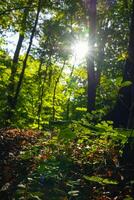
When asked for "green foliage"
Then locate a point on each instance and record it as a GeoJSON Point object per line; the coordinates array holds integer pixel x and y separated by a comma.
{"type": "Point", "coordinates": [126, 84]}
{"type": "Point", "coordinates": [60, 25]}
{"type": "Point", "coordinates": [63, 156]}
{"type": "Point", "coordinates": [69, 157]}
{"type": "Point", "coordinates": [100, 180]}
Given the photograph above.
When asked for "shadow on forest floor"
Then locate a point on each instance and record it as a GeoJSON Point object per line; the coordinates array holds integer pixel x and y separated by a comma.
{"type": "Point", "coordinates": [14, 170]}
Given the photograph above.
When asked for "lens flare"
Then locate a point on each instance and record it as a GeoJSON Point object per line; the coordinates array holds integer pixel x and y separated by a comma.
{"type": "Point", "coordinates": [79, 51]}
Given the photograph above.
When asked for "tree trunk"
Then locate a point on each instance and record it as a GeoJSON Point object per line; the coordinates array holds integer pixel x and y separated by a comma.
{"type": "Point", "coordinates": [41, 94]}
{"type": "Point", "coordinates": [11, 85]}
{"type": "Point", "coordinates": [54, 93]}
{"type": "Point", "coordinates": [68, 100]}
{"type": "Point", "coordinates": [91, 8]}
{"type": "Point", "coordinates": [26, 57]}
{"type": "Point", "coordinates": [123, 113]}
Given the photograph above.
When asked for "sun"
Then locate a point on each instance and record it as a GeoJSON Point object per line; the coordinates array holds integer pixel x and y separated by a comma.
{"type": "Point", "coordinates": [79, 51]}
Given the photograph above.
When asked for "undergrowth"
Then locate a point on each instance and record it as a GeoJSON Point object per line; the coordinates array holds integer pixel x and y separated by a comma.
{"type": "Point", "coordinates": [78, 161]}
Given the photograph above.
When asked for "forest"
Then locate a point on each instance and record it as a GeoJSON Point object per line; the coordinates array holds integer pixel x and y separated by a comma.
{"type": "Point", "coordinates": [67, 100]}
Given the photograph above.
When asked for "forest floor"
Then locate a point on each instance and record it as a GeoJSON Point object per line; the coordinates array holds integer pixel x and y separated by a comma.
{"type": "Point", "coordinates": [14, 170]}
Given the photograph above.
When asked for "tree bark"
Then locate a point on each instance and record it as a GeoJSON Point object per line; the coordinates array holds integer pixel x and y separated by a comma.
{"type": "Point", "coordinates": [91, 8]}
{"type": "Point", "coordinates": [41, 93]}
{"type": "Point", "coordinates": [26, 57]}
{"type": "Point", "coordinates": [123, 113]}
{"type": "Point", "coordinates": [68, 100]}
{"type": "Point", "coordinates": [54, 93]}
{"type": "Point", "coordinates": [11, 85]}
{"type": "Point", "coordinates": [19, 44]}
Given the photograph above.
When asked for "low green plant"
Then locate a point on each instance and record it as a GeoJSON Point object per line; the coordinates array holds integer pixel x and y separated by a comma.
{"type": "Point", "coordinates": [74, 159]}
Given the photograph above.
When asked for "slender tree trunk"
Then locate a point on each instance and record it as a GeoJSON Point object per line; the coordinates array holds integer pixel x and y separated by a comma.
{"type": "Point", "coordinates": [54, 93]}
{"type": "Point", "coordinates": [11, 85]}
{"type": "Point", "coordinates": [68, 100]}
{"type": "Point", "coordinates": [68, 109]}
{"type": "Point", "coordinates": [26, 57]}
{"type": "Point", "coordinates": [91, 7]}
{"type": "Point", "coordinates": [19, 46]}
{"type": "Point", "coordinates": [41, 94]}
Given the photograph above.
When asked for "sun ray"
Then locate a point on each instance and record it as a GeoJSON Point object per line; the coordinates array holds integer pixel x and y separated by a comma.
{"type": "Point", "coordinates": [79, 51]}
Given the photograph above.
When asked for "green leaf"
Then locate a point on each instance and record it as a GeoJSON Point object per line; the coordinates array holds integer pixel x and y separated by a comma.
{"type": "Point", "coordinates": [126, 84]}
{"type": "Point", "coordinates": [100, 180]}
{"type": "Point", "coordinates": [81, 109]}
{"type": "Point", "coordinates": [67, 134]}
{"type": "Point", "coordinates": [73, 192]}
